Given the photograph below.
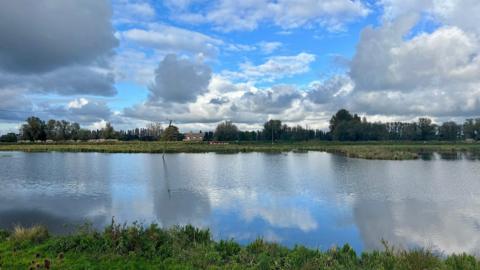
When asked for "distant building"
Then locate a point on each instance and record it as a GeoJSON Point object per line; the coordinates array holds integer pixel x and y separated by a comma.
{"type": "Point", "coordinates": [193, 137]}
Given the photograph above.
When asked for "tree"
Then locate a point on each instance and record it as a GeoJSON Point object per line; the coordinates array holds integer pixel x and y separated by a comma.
{"type": "Point", "coordinates": [272, 130]}
{"type": "Point", "coordinates": [50, 129]}
{"type": "Point", "coordinates": [449, 131]}
{"type": "Point", "coordinates": [9, 137]}
{"type": "Point", "coordinates": [208, 136]}
{"type": "Point", "coordinates": [427, 129]}
{"type": "Point", "coordinates": [171, 133]}
{"type": "Point", "coordinates": [226, 131]}
{"type": "Point", "coordinates": [471, 129]}
{"type": "Point", "coordinates": [75, 131]}
{"type": "Point", "coordinates": [84, 135]}
{"type": "Point", "coordinates": [33, 130]}
{"type": "Point", "coordinates": [341, 116]}
{"type": "Point", "coordinates": [108, 132]}
{"type": "Point", "coordinates": [154, 130]}
{"type": "Point", "coordinates": [346, 127]}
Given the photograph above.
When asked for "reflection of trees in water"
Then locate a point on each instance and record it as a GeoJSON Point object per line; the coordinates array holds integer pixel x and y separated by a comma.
{"type": "Point", "coordinates": [431, 204]}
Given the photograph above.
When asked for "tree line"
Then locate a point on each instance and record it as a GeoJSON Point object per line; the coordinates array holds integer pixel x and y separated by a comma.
{"type": "Point", "coordinates": [344, 126]}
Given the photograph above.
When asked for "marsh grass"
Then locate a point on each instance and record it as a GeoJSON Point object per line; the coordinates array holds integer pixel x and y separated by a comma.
{"type": "Point", "coordinates": [367, 150]}
{"type": "Point", "coordinates": [138, 246]}
{"type": "Point", "coordinates": [34, 234]}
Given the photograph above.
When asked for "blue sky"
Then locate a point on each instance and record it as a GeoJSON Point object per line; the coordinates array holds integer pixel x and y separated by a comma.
{"type": "Point", "coordinates": [197, 62]}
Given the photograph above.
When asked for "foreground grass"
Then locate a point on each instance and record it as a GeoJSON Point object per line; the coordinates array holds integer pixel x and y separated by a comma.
{"type": "Point", "coordinates": [366, 150]}
{"type": "Point", "coordinates": [139, 247]}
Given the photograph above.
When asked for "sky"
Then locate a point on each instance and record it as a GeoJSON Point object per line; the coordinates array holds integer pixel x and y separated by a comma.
{"type": "Point", "coordinates": [199, 62]}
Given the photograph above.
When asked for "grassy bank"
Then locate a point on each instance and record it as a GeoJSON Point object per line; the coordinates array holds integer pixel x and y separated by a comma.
{"type": "Point", "coordinates": [136, 247]}
{"type": "Point", "coordinates": [367, 150]}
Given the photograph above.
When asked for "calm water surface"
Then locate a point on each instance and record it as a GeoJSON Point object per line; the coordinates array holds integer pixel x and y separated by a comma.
{"type": "Point", "coordinates": [316, 199]}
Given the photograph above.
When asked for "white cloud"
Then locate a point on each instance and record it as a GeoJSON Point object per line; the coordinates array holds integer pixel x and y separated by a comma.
{"type": "Point", "coordinates": [460, 13]}
{"type": "Point", "coordinates": [276, 67]}
{"type": "Point", "coordinates": [142, 9]}
{"type": "Point", "coordinates": [434, 74]}
{"type": "Point", "coordinates": [81, 110]}
{"type": "Point", "coordinates": [137, 66]}
{"type": "Point", "coordinates": [324, 92]}
{"type": "Point", "coordinates": [132, 12]}
{"type": "Point", "coordinates": [98, 125]}
{"type": "Point", "coordinates": [77, 103]}
{"type": "Point", "coordinates": [269, 47]}
{"type": "Point", "coordinates": [270, 101]}
{"type": "Point", "coordinates": [229, 15]}
{"type": "Point", "coordinates": [173, 39]}
{"type": "Point", "coordinates": [245, 104]}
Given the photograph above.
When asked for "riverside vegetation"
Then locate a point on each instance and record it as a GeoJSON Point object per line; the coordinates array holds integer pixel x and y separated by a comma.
{"type": "Point", "coordinates": [366, 150]}
{"type": "Point", "coordinates": [151, 247]}
{"type": "Point", "coordinates": [343, 126]}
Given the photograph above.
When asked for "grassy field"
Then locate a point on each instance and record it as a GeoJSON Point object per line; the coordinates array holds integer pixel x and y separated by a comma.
{"type": "Point", "coordinates": [367, 150]}
{"type": "Point", "coordinates": [139, 247]}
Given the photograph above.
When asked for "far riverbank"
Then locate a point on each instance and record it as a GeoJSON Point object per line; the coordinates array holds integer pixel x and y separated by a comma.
{"type": "Point", "coordinates": [365, 150]}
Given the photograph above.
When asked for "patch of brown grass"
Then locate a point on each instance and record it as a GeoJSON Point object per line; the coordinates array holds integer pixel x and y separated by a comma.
{"type": "Point", "coordinates": [34, 234]}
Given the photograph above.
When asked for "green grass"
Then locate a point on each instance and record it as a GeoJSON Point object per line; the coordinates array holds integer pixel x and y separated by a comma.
{"type": "Point", "coordinates": [140, 247]}
{"type": "Point", "coordinates": [366, 150]}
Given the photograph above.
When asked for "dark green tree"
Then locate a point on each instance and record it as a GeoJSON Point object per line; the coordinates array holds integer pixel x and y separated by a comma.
{"type": "Point", "coordinates": [50, 129]}
{"type": "Point", "coordinates": [272, 130]}
{"type": "Point", "coordinates": [341, 116]}
{"type": "Point", "coordinates": [471, 129]}
{"type": "Point", "coordinates": [426, 128]}
{"type": "Point", "coordinates": [226, 131]}
{"type": "Point", "coordinates": [34, 130]}
{"type": "Point", "coordinates": [171, 133]}
{"type": "Point", "coordinates": [345, 127]}
{"type": "Point", "coordinates": [108, 132]}
{"type": "Point", "coordinates": [9, 137]}
{"type": "Point", "coordinates": [449, 131]}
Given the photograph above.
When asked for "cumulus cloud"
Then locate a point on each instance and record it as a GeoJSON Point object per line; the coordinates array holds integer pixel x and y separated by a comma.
{"type": "Point", "coordinates": [81, 110]}
{"type": "Point", "coordinates": [325, 91]}
{"type": "Point", "coordinates": [459, 13]}
{"type": "Point", "coordinates": [179, 80]}
{"type": "Point", "coordinates": [40, 36]}
{"type": "Point", "coordinates": [229, 15]}
{"type": "Point", "coordinates": [70, 80]}
{"type": "Point", "coordinates": [274, 100]}
{"type": "Point", "coordinates": [433, 74]}
{"type": "Point", "coordinates": [53, 47]}
{"type": "Point", "coordinates": [245, 104]}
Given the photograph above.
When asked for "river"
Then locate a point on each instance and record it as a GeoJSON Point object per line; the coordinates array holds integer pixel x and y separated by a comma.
{"type": "Point", "coordinates": [315, 199]}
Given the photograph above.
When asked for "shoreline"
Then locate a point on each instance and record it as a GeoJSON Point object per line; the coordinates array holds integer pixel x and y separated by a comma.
{"type": "Point", "coordinates": [363, 150]}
